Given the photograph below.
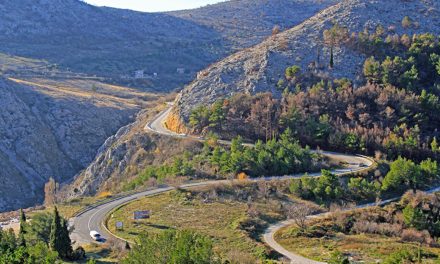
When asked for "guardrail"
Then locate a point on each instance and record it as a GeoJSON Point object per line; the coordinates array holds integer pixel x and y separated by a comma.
{"type": "Point", "coordinates": [108, 200]}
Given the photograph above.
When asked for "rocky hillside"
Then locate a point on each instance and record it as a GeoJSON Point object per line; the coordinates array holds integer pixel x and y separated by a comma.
{"type": "Point", "coordinates": [53, 120]}
{"type": "Point", "coordinates": [53, 129]}
{"type": "Point", "coordinates": [125, 155]}
{"type": "Point", "coordinates": [114, 43]}
{"type": "Point", "coordinates": [104, 41]}
{"type": "Point", "coordinates": [259, 68]}
{"type": "Point", "coordinates": [247, 22]}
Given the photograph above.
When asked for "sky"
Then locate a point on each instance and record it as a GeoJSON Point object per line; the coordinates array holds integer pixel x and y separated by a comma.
{"type": "Point", "coordinates": [153, 5]}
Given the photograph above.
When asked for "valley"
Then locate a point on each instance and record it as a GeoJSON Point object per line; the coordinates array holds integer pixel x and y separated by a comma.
{"type": "Point", "coordinates": [281, 131]}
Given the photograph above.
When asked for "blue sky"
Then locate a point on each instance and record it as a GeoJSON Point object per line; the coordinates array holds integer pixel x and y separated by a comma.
{"type": "Point", "coordinates": [153, 5]}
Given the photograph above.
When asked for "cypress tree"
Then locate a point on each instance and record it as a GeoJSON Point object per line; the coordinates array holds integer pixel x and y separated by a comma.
{"type": "Point", "coordinates": [22, 232]}
{"type": "Point", "coordinates": [67, 243]}
{"type": "Point", "coordinates": [332, 62]}
{"type": "Point", "coordinates": [59, 236]}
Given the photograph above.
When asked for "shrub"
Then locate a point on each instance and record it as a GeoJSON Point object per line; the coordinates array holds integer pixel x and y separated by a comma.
{"type": "Point", "coordinates": [386, 229]}
{"type": "Point", "coordinates": [413, 235]}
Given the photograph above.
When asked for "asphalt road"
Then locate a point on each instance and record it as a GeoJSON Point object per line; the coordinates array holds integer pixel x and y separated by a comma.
{"type": "Point", "coordinates": [94, 218]}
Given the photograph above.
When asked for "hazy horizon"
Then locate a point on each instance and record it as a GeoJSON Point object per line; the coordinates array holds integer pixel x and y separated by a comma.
{"type": "Point", "coordinates": [152, 5]}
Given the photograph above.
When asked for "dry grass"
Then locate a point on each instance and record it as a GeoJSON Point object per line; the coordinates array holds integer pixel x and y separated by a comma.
{"type": "Point", "coordinates": [219, 220]}
{"type": "Point", "coordinates": [101, 94]}
{"type": "Point", "coordinates": [364, 248]}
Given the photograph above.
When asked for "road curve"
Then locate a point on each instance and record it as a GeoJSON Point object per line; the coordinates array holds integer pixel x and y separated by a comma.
{"type": "Point", "coordinates": [94, 217]}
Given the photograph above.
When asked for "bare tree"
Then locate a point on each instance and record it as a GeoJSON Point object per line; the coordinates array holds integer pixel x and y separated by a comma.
{"type": "Point", "coordinates": [50, 191]}
{"type": "Point", "coordinates": [299, 213]}
{"type": "Point", "coordinates": [263, 189]}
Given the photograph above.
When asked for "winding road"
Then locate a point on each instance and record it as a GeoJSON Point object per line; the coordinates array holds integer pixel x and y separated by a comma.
{"type": "Point", "coordinates": [93, 217]}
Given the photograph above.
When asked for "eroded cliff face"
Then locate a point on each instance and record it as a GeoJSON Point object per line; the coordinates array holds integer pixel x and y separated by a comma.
{"type": "Point", "coordinates": [46, 132]}
{"type": "Point", "coordinates": [258, 69]}
{"type": "Point", "coordinates": [175, 123]}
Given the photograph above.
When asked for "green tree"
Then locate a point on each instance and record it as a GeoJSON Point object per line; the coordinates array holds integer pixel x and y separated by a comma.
{"type": "Point", "coordinates": [334, 37]}
{"type": "Point", "coordinates": [437, 66]}
{"type": "Point", "coordinates": [372, 70]}
{"type": "Point", "coordinates": [411, 78]}
{"type": "Point", "coordinates": [414, 217]}
{"type": "Point", "coordinates": [218, 115]}
{"type": "Point", "coordinates": [332, 58]}
{"type": "Point", "coordinates": [429, 168]}
{"type": "Point", "coordinates": [39, 228]}
{"type": "Point", "coordinates": [23, 229]}
{"type": "Point", "coordinates": [403, 173]}
{"type": "Point", "coordinates": [328, 186]}
{"type": "Point", "coordinates": [199, 117]}
{"type": "Point", "coordinates": [434, 145]}
{"type": "Point", "coordinates": [237, 161]}
{"type": "Point", "coordinates": [59, 236]}
{"type": "Point", "coordinates": [40, 253]}
{"type": "Point", "coordinates": [362, 188]}
{"type": "Point", "coordinates": [292, 73]}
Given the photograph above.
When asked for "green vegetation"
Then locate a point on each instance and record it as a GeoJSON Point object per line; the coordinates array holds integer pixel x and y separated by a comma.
{"type": "Point", "coordinates": [276, 157]}
{"type": "Point", "coordinates": [370, 119]}
{"type": "Point", "coordinates": [334, 37]}
{"type": "Point", "coordinates": [406, 231]}
{"type": "Point", "coordinates": [326, 188]}
{"type": "Point", "coordinates": [395, 113]}
{"type": "Point", "coordinates": [172, 247]}
{"type": "Point", "coordinates": [330, 189]}
{"type": "Point", "coordinates": [233, 215]}
{"type": "Point", "coordinates": [406, 174]}
{"type": "Point", "coordinates": [182, 166]}
{"type": "Point", "coordinates": [59, 240]}
{"type": "Point", "coordinates": [44, 240]}
{"type": "Point", "coordinates": [414, 71]}
{"type": "Point", "coordinates": [402, 174]}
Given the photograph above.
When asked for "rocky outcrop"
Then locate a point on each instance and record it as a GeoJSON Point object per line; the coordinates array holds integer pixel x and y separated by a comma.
{"type": "Point", "coordinates": [46, 135]}
{"type": "Point", "coordinates": [125, 155]}
{"type": "Point", "coordinates": [112, 158]}
{"type": "Point", "coordinates": [259, 68]}
{"type": "Point", "coordinates": [174, 123]}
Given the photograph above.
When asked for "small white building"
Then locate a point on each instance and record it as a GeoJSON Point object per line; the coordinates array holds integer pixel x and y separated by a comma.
{"type": "Point", "coordinates": [139, 74]}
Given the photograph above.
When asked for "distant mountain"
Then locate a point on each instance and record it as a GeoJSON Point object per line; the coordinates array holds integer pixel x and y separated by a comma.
{"type": "Point", "coordinates": [113, 42]}
{"type": "Point", "coordinates": [104, 41]}
{"type": "Point", "coordinates": [258, 69]}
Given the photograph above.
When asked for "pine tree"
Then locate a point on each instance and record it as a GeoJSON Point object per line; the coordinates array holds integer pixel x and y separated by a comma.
{"type": "Point", "coordinates": [59, 236]}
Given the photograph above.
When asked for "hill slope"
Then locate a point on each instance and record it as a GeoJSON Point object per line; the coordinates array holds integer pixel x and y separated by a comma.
{"type": "Point", "coordinates": [52, 125]}
{"type": "Point", "coordinates": [259, 68]}
{"type": "Point", "coordinates": [247, 22]}
{"type": "Point", "coordinates": [114, 43]}
{"type": "Point", "coordinates": [53, 129]}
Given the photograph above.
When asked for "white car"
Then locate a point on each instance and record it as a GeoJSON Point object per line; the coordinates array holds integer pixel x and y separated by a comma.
{"type": "Point", "coordinates": [95, 235]}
